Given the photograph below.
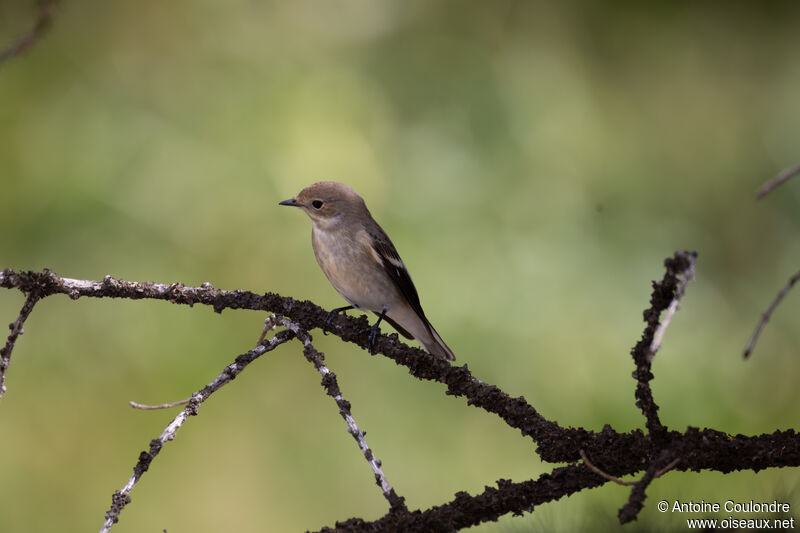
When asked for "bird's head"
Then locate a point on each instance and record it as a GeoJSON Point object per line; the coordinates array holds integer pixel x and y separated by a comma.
{"type": "Point", "coordinates": [326, 202]}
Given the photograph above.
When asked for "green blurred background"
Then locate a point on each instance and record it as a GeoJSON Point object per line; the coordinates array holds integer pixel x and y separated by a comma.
{"type": "Point", "coordinates": [533, 162]}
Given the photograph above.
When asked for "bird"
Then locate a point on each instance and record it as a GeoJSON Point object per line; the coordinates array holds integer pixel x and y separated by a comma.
{"type": "Point", "coordinates": [363, 265]}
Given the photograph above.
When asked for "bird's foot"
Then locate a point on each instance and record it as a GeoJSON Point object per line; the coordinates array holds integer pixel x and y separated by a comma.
{"type": "Point", "coordinates": [373, 331]}
{"type": "Point", "coordinates": [331, 315]}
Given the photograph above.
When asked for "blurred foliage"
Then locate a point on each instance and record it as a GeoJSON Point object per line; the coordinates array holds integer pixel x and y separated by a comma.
{"type": "Point", "coordinates": [533, 162]}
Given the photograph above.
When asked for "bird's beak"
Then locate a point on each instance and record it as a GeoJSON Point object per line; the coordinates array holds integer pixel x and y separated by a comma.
{"type": "Point", "coordinates": [291, 202]}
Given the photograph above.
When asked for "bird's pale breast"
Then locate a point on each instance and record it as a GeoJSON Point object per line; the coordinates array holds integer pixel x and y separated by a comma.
{"type": "Point", "coordinates": [354, 269]}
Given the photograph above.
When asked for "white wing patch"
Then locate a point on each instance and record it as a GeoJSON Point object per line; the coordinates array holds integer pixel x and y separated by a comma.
{"type": "Point", "coordinates": [375, 255]}
{"type": "Point", "coordinates": [396, 262]}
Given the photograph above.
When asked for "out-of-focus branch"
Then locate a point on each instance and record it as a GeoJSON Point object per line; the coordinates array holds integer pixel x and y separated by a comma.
{"type": "Point", "coordinates": [16, 331]}
{"type": "Point", "coordinates": [29, 38]}
{"type": "Point", "coordinates": [766, 315]}
{"type": "Point", "coordinates": [122, 497]}
{"type": "Point", "coordinates": [776, 181]}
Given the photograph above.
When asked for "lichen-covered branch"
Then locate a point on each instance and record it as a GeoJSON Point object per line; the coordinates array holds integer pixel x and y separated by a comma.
{"type": "Point", "coordinates": [666, 293]}
{"type": "Point", "coordinates": [16, 331]}
{"type": "Point", "coordinates": [122, 497]}
{"type": "Point", "coordinates": [331, 385]}
{"type": "Point", "coordinates": [613, 454]}
{"type": "Point", "coordinates": [698, 450]}
{"type": "Point", "coordinates": [657, 468]}
{"type": "Point", "coordinates": [516, 412]}
{"type": "Point", "coordinates": [465, 510]}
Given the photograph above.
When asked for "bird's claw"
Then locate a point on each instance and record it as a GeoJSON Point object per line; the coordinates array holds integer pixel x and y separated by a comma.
{"type": "Point", "coordinates": [331, 315]}
{"type": "Point", "coordinates": [373, 331]}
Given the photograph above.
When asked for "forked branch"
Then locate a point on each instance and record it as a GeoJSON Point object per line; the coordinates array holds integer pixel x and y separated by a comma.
{"type": "Point", "coordinates": [613, 454]}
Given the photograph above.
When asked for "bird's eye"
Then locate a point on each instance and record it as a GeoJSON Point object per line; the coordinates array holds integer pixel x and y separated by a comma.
{"type": "Point", "coordinates": [317, 204]}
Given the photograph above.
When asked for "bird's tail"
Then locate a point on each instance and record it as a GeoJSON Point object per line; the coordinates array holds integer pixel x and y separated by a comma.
{"type": "Point", "coordinates": [424, 333]}
{"type": "Point", "coordinates": [436, 345]}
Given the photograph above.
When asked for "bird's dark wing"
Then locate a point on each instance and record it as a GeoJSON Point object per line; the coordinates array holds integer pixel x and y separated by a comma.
{"type": "Point", "coordinates": [396, 270]}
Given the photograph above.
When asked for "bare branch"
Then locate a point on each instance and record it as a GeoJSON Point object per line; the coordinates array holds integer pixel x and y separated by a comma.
{"type": "Point", "coordinates": [29, 38]}
{"type": "Point", "coordinates": [16, 331]}
{"type": "Point", "coordinates": [122, 497]}
{"type": "Point", "coordinates": [147, 407]}
{"type": "Point", "coordinates": [765, 316]}
{"type": "Point", "coordinates": [776, 181]}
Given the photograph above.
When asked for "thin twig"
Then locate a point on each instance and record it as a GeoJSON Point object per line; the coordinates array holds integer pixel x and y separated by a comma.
{"type": "Point", "coordinates": [122, 497]}
{"type": "Point", "coordinates": [148, 407]}
{"type": "Point", "coordinates": [602, 474]}
{"type": "Point", "coordinates": [16, 331]}
{"type": "Point", "coordinates": [667, 468]}
{"type": "Point", "coordinates": [30, 37]}
{"type": "Point", "coordinates": [776, 181]}
{"type": "Point", "coordinates": [331, 385]}
{"type": "Point", "coordinates": [768, 313]}
{"type": "Point", "coordinates": [617, 480]}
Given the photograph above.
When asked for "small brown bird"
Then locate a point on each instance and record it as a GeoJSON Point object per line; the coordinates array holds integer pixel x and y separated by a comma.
{"type": "Point", "coordinates": [362, 264]}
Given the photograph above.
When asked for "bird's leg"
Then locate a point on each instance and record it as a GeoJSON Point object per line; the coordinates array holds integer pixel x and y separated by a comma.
{"type": "Point", "coordinates": [331, 315]}
{"type": "Point", "coordinates": [374, 330]}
